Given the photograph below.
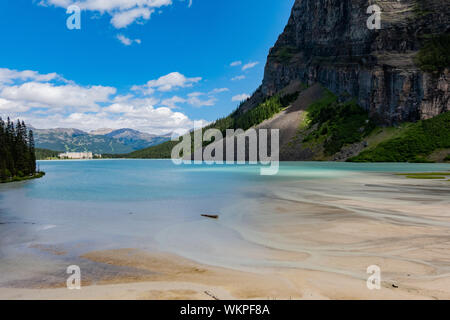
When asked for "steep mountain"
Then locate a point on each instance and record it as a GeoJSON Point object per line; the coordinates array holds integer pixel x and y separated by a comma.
{"type": "Point", "coordinates": [371, 78]}
{"type": "Point", "coordinates": [397, 73]}
{"type": "Point", "coordinates": [114, 142]}
{"type": "Point", "coordinates": [336, 86]}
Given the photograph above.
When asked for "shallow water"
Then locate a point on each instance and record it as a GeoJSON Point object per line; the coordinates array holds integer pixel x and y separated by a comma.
{"type": "Point", "coordinates": [81, 206]}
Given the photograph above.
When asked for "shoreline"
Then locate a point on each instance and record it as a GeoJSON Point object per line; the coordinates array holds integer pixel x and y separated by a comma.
{"type": "Point", "coordinates": [280, 161]}
{"type": "Point", "coordinates": [20, 179]}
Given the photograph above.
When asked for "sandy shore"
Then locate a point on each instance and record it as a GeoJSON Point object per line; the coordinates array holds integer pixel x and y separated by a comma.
{"type": "Point", "coordinates": [295, 243]}
{"type": "Point", "coordinates": [173, 277]}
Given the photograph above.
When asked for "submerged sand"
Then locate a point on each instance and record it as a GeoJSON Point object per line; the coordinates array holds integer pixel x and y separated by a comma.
{"type": "Point", "coordinates": [295, 242]}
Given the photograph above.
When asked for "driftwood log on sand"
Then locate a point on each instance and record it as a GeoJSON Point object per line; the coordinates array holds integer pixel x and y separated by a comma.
{"type": "Point", "coordinates": [211, 216]}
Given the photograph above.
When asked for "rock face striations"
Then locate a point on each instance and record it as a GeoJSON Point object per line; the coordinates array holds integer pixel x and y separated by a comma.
{"type": "Point", "coordinates": [329, 42]}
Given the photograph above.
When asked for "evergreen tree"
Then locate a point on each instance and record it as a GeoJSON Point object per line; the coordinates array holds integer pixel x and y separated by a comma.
{"type": "Point", "coordinates": [17, 150]}
{"type": "Point", "coordinates": [31, 152]}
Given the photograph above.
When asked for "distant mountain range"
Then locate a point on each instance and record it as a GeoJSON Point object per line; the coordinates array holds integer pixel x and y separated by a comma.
{"type": "Point", "coordinates": [101, 141]}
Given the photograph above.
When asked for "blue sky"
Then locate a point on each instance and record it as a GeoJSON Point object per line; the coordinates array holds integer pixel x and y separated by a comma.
{"type": "Point", "coordinates": [152, 65]}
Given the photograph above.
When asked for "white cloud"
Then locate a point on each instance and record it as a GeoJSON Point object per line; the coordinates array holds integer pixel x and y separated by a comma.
{"type": "Point", "coordinates": [173, 102]}
{"type": "Point", "coordinates": [129, 104]}
{"type": "Point", "coordinates": [122, 98]}
{"type": "Point", "coordinates": [144, 89]}
{"type": "Point", "coordinates": [219, 90]}
{"type": "Point", "coordinates": [8, 106]}
{"type": "Point", "coordinates": [194, 99]}
{"type": "Point", "coordinates": [240, 97]}
{"type": "Point", "coordinates": [57, 96]}
{"type": "Point", "coordinates": [123, 12]}
{"type": "Point", "coordinates": [195, 94]}
{"type": "Point", "coordinates": [197, 102]}
{"type": "Point", "coordinates": [167, 83]}
{"type": "Point", "coordinates": [123, 19]}
{"type": "Point", "coordinates": [127, 41]}
{"type": "Point", "coordinates": [237, 78]}
{"type": "Point", "coordinates": [9, 76]}
{"type": "Point", "coordinates": [235, 63]}
{"type": "Point", "coordinates": [143, 115]}
{"type": "Point", "coordinates": [119, 108]}
{"type": "Point", "coordinates": [249, 65]}
{"type": "Point", "coordinates": [47, 104]}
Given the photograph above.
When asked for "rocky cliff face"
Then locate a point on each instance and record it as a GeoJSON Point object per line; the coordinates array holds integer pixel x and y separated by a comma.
{"type": "Point", "coordinates": [328, 41]}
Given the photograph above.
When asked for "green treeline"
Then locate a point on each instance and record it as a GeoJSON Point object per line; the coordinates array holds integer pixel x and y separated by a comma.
{"type": "Point", "coordinates": [161, 151]}
{"type": "Point", "coordinates": [343, 123]}
{"type": "Point", "coordinates": [17, 152]}
{"type": "Point", "coordinates": [45, 154]}
{"type": "Point", "coordinates": [338, 123]}
{"type": "Point", "coordinates": [414, 145]}
{"type": "Point", "coordinates": [264, 111]}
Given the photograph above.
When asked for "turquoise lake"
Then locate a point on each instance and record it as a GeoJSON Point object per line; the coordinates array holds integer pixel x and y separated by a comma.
{"type": "Point", "coordinates": [80, 206]}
